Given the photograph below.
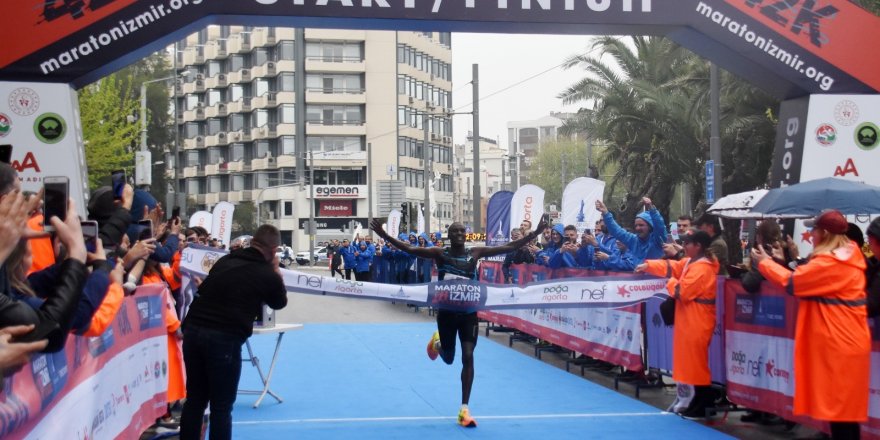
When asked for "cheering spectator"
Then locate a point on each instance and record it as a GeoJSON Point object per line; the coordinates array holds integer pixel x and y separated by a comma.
{"type": "Point", "coordinates": [712, 225]}
{"type": "Point", "coordinates": [647, 242]}
{"type": "Point", "coordinates": [832, 343]}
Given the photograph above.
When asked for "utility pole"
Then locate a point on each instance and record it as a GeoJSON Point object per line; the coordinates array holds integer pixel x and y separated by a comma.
{"type": "Point", "coordinates": [477, 225]}
{"type": "Point", "coordinates": [369, 184]}
{"type": "Point", "coordinates": [715, 136]}
{"type": "Point", "coordinates": [312, 231]}
{"type": "Point", "coordinates": [426, 154]}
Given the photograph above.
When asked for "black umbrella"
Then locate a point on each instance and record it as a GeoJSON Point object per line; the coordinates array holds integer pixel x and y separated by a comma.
{"type": "Point", "coordinates": [807, 199]}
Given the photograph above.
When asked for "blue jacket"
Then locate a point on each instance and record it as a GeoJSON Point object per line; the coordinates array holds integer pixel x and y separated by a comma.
{"type": "Point", "coordinates": [347, 253]}
{"type": "Point", "coordinates": [620, 262]}
{"type": "Point", "coordinates": [640, 250]}
{"type": "Point", "coordinates": [364, 258]}
{"type": "Point", "coordinates": [97, 285]}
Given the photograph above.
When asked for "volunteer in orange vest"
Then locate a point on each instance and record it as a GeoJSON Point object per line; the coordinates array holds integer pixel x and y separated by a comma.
{"type": "Point", "coordinates": [832, 343]}
{"type": "Point", "coordinates": [692, 283]}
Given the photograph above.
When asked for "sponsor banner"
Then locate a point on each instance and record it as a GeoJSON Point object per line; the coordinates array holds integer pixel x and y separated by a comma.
{"type": "Point", "coordinates": [392, 224]}
{"type": "Point", "coordinates": [841, 139]}
{"type": "Point", "coordinates": [789, 147]}
{"type": "Point", "coordinates": [203, 219]}
{"type": "Point", "coordinates": [579, 203]}
{"type": "Point", "coordinates": [498, 219]}
{"type": "Point", "coordinates": [760, 355]}
{"type": "Point", "coordinates": [596, 291]}
{"type": "Point", "coordinates": [335, 208]}
{"type": "Point", "coordinates": [104, 387]}
{"type": "Point", "coordinates": [613, 335]}
{"type": "Point", "coordinates": [527, 204]}
{"type": "Point", "coordinates": [221, 221]}
{"type": "Point", "coordinates": [789, 47]}
{"type": "Point", "coordinates": [340, 191]}
{"type": "Point", "coordinates": [332, 223]}
{"type": "Point", "coordinates": [41, 122]}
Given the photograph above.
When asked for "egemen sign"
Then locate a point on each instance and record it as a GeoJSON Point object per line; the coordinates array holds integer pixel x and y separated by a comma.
{"type": "Point", "coordinates": [789, 48]}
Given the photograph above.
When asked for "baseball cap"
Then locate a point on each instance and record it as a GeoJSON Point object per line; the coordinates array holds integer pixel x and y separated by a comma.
{"type": "Point", "coordinates": [832, 221]}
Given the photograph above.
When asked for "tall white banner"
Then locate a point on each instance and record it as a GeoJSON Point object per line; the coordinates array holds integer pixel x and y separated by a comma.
{"type": "Point", "coordinates": [579, 203]}
{"type": "Point", "coordinates": [527, 204]}
{"type": "Point", "coordinates": [392, 224]}
{"type": "Point", "coordinates": [41, 122]}
{"type": "Point", "coordinates": [842, 140]}
{"type": "Point", "coordinates": [202, 219]}
{"type": "Point", "coordinates": [421, 222]}
{"type": "Point", "coordinates": [221, 221]}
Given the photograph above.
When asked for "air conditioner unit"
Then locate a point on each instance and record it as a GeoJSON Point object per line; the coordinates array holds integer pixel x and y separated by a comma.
{"type": "Point", "coordinates": [411, 100]}
{"type": "Point", "coordinates": [199, 139]}
{"type": "Point", "coordinates": [222, 77]}
{"type": "Point", "coordinates": [222, 107]}
{"type": "Point", "coordinates": [200, 77]}
{"type": "Point", "coordinates": [245, 72]}
{"type": "Point", "coordinates": [221, 135]}
{"type": "Point", "coordinates": [270, 160]}
{"type": "Point", "coordinates": [200, 83]}
{"type": "Point", "coordinates": [271, 65]}
{"type": "Point", "coordinates": [434, 137]}
{"type": "Point", "coordinates": [200, 105]}
{"type": "Point", "coordinates": [236, 136]}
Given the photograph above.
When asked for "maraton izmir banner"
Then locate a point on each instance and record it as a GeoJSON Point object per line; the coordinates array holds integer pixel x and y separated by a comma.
{"type": "Point", "coordinates": [790, 48]}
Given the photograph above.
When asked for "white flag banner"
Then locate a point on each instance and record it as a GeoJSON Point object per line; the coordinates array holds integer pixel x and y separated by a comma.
{"type": "Point", "coordinates": [421, 222]}
{"type": "Point", "coordinates": [579, 203]}
{"type": "Point", "coordinates": [202, 219]}
{"type": "Point", "coordinates": [461, 294]}
{"type": "Point", "coordinates": [357, 233]}
{"type": "Point", "coordinates": [527, 204]}
{"type": "Point", "coordinates": [221, 224]}
{"type": "Point", "coordinates": [393, 223]}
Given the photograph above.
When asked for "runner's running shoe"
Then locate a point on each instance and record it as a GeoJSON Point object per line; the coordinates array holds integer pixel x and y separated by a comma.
{"type": "Point", "coordinates": [432, 346]}
{"type": "Point", "coordinates": [465, 419]}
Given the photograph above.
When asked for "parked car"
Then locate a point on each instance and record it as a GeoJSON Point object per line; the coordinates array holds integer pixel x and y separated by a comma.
{"type": "Point", "coordinates": [320, 256]}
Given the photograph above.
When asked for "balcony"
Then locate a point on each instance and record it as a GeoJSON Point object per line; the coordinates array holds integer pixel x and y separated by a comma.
{"type": "Point", "coordinates": [197, 85]}
{"type": "Point", "coordinates": [217, 168]}
{"type": "Point", "coordinates": [267, 69]}
{"type": "Point", "coordinates": [264, 163]}
{"type": "Point", "coordinates": [237, 166]}
{"type": "Point", "coordinates": [336, 34]}
{"type": "Point", "coordinates": [193, 143]}
{"type": "Point", "coordinates": [193, 55]}
{"type": "Point", "coordinates": [264, 132]}
{"type": "Point", "coordinates": [211, 198]}
{"type": "Point", "coordinates": [319, 95]}
{"type": "Point", "coordinates": [264, 101]}
{"type": "Point", "coordinates": [216, 140]}
{"type": "Point", "coordinates": [193, 171]}
{"type": "Point", "coordinates": [233, 197]}
{"type": "Point", "coordinates": [285, 129]}
{"type": "Point", "coordinates": [197, 113]}
{"type": "Point", "coordinates": [238, 43]}
{"type": "Point", "coordinates": [286, 160]}
{"type": "Point", "coordinates": [338, 128]}
{"type": "Point", "coordinates": [261, 37]}
{"type": "Point", "coordinates": [218, 110]}
{"type": "Point", "coordinates": [219, 80]}
{"type": "Point", "coordinates": [243, 105]}
{"type": "Point", "coordinates": [336, 64]}
{"type": "Point", "coordinates": [200, 199]}
{"type": "Point", "coordinates": [215, 49]}
{"type": "Point", "coordinates": [239, 76]}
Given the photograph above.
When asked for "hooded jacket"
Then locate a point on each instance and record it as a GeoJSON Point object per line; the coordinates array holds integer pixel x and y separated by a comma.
{"type": "Point", "coordinates": [364, 257]}
{"type": "Point", "coordinates": [640, 249]}
{"type": "Point", "coordinates": [832, 343]}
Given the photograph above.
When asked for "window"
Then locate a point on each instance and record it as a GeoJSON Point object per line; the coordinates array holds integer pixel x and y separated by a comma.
{"type": "Point", "coordinates": [261, 179]}
{"type": "Point", "coordinates": [192, 186]}
{"type": "Point", "coordinates": [194, 129]}
{"type": "Point", "coordinates": [285, 50]}
{"type": "Point", "coordinates": [287, 145]}
{"type": "Point", "coordinates": [236, 182]}
{"type": "Point", "coordinates": [334, 143]}
{"type": "Point", "coordinates": [214, 126]}
{"type": "Point", "coordinates": [214, 68]}
{"type": "Point", "coordinates": [236, 122]}
{"type": "Point", "coordinates": [192, 101]}
{"type": "Point", "coordinates": [214, 155]}
{"type": "Point", "coordinates": [288, 209]}
{"type": "Point", "coordinates": [236, 152]}
{"type": "Point", "coordinates": [214, 96]}
{"type": "Point", "coordinates": [261, 86]}
{"type": "Point", "coordinates": [235, 63]}
{"type": "Point", "coordinates": [285, 82]}
{"type": "Point", "coordinates": [214, 185]}
{"type": "Point", "coordinates": [261, 149]}
{"type": "Point", "coordinates": [348, 177]}
{"type": "Point", "coordinates": [259, 118]}
{"type": "Point", "coordinates": [236, 92]}
{"type": "Point", "coordinates": [286, 114]}
{"type": "Point", "coordinates": [260, 56]}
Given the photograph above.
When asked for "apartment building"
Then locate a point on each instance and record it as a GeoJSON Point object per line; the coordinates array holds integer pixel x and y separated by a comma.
{"type": "Point", "coordinates": [524, 140]}
{"type": "Point", "coordinates": [376, 91]}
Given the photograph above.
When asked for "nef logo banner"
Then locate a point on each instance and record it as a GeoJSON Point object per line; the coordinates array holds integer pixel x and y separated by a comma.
{"type": "Point", "coordinates": [459, 295]}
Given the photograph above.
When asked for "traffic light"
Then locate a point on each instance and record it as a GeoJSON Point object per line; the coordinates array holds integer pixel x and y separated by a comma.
{"type": "Point", "coordinates": [404, 211]}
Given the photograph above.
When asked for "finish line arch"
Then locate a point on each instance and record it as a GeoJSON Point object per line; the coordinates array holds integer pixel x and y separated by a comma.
{"type": "Point", "coordinates": [789, 48]}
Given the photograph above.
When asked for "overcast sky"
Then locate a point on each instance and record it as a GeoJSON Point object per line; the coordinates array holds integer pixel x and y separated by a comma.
{"type": "Point", "coordinates": [504, 60]}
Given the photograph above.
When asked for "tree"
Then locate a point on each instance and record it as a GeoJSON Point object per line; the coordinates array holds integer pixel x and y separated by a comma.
{"type": "Point", "coordinates": [244, 218]}
{"type": "Point", "coordinates": [650, 108]}
{"type": "Point", "coordinates": [557, 164]}
{"type": "Point", "coordinates": [108, 136]}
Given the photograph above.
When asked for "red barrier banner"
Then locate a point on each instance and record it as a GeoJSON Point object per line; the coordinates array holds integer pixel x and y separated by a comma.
{"type": "Point", "coordinates": [612, 335]}
{"type": "Point", "coordinates": [759, 336]}
{"type": "Point", "coordinates": [111, 386]}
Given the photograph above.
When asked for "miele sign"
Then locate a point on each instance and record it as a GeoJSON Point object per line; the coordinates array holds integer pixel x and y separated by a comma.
{"type": "Point", "coordinates": [340, 191]}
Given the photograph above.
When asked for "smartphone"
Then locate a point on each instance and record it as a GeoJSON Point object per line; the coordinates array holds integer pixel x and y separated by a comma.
{"type": "Point", "coordinates": [6, 153]}
{"type": "Point", "coordinates": [175, 212]}
{"type": "Point", "coordinates": [588, 231]}
{"type": "Point", "coordinates": [41, 331]}
{"type": "Point", "coordinates": [117, 178]}
{"type": "Point", "coordinates": [56, 189]}
{"type": "Point", "coordinates": [669, 238]}
{"type": "Point", "coordinates": [90, 234]}
{"type": "Point", "coordinates": [146, 229]}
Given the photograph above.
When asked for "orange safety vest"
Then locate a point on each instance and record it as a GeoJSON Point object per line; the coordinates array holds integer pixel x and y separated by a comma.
{"type": "Point", "coordinates": [106, 311]}
{"type": "Point", "coordinates": [832, 342]}
{"type": "Point", "coordinates": [41, 248]}
{"type": "Point", "coordinates": [176, 373]}
{"type": "Point", "coordinates": [693, 285]}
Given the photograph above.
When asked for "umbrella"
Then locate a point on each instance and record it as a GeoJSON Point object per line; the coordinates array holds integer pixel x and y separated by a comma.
{"type": "Point", "coordinates": [738, 205]}
{"type": "Point", "coordinates": [807, 199]}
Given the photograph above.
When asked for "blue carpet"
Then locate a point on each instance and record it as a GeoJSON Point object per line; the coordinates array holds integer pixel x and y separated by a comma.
{"type": "Point", "coordinates": [374, 381]}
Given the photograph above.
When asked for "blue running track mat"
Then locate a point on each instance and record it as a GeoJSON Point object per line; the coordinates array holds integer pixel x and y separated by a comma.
{"type": "Point", "coordinates": [375, 381]}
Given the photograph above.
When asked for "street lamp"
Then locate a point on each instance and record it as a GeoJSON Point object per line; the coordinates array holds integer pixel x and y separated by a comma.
{"type": "Point", "coordinates": [143, 174]}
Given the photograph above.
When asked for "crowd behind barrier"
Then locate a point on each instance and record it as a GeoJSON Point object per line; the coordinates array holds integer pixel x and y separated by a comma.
{"type": "Point", "coordinates": [751, 352]}
{"type": "Point", "coordinates": [108, 386]}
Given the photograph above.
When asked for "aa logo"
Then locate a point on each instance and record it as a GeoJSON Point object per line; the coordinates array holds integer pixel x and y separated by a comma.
{"type": "Point", "coordinates": [866, 136]}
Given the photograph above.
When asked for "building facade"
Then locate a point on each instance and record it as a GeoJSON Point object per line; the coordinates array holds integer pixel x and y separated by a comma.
{"type": "Point", "coordinates": [494, 172]}
{"type": "Point", "coordinates": [524, 140]}
{"type": "Point", "coordinates": [245, 107]}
